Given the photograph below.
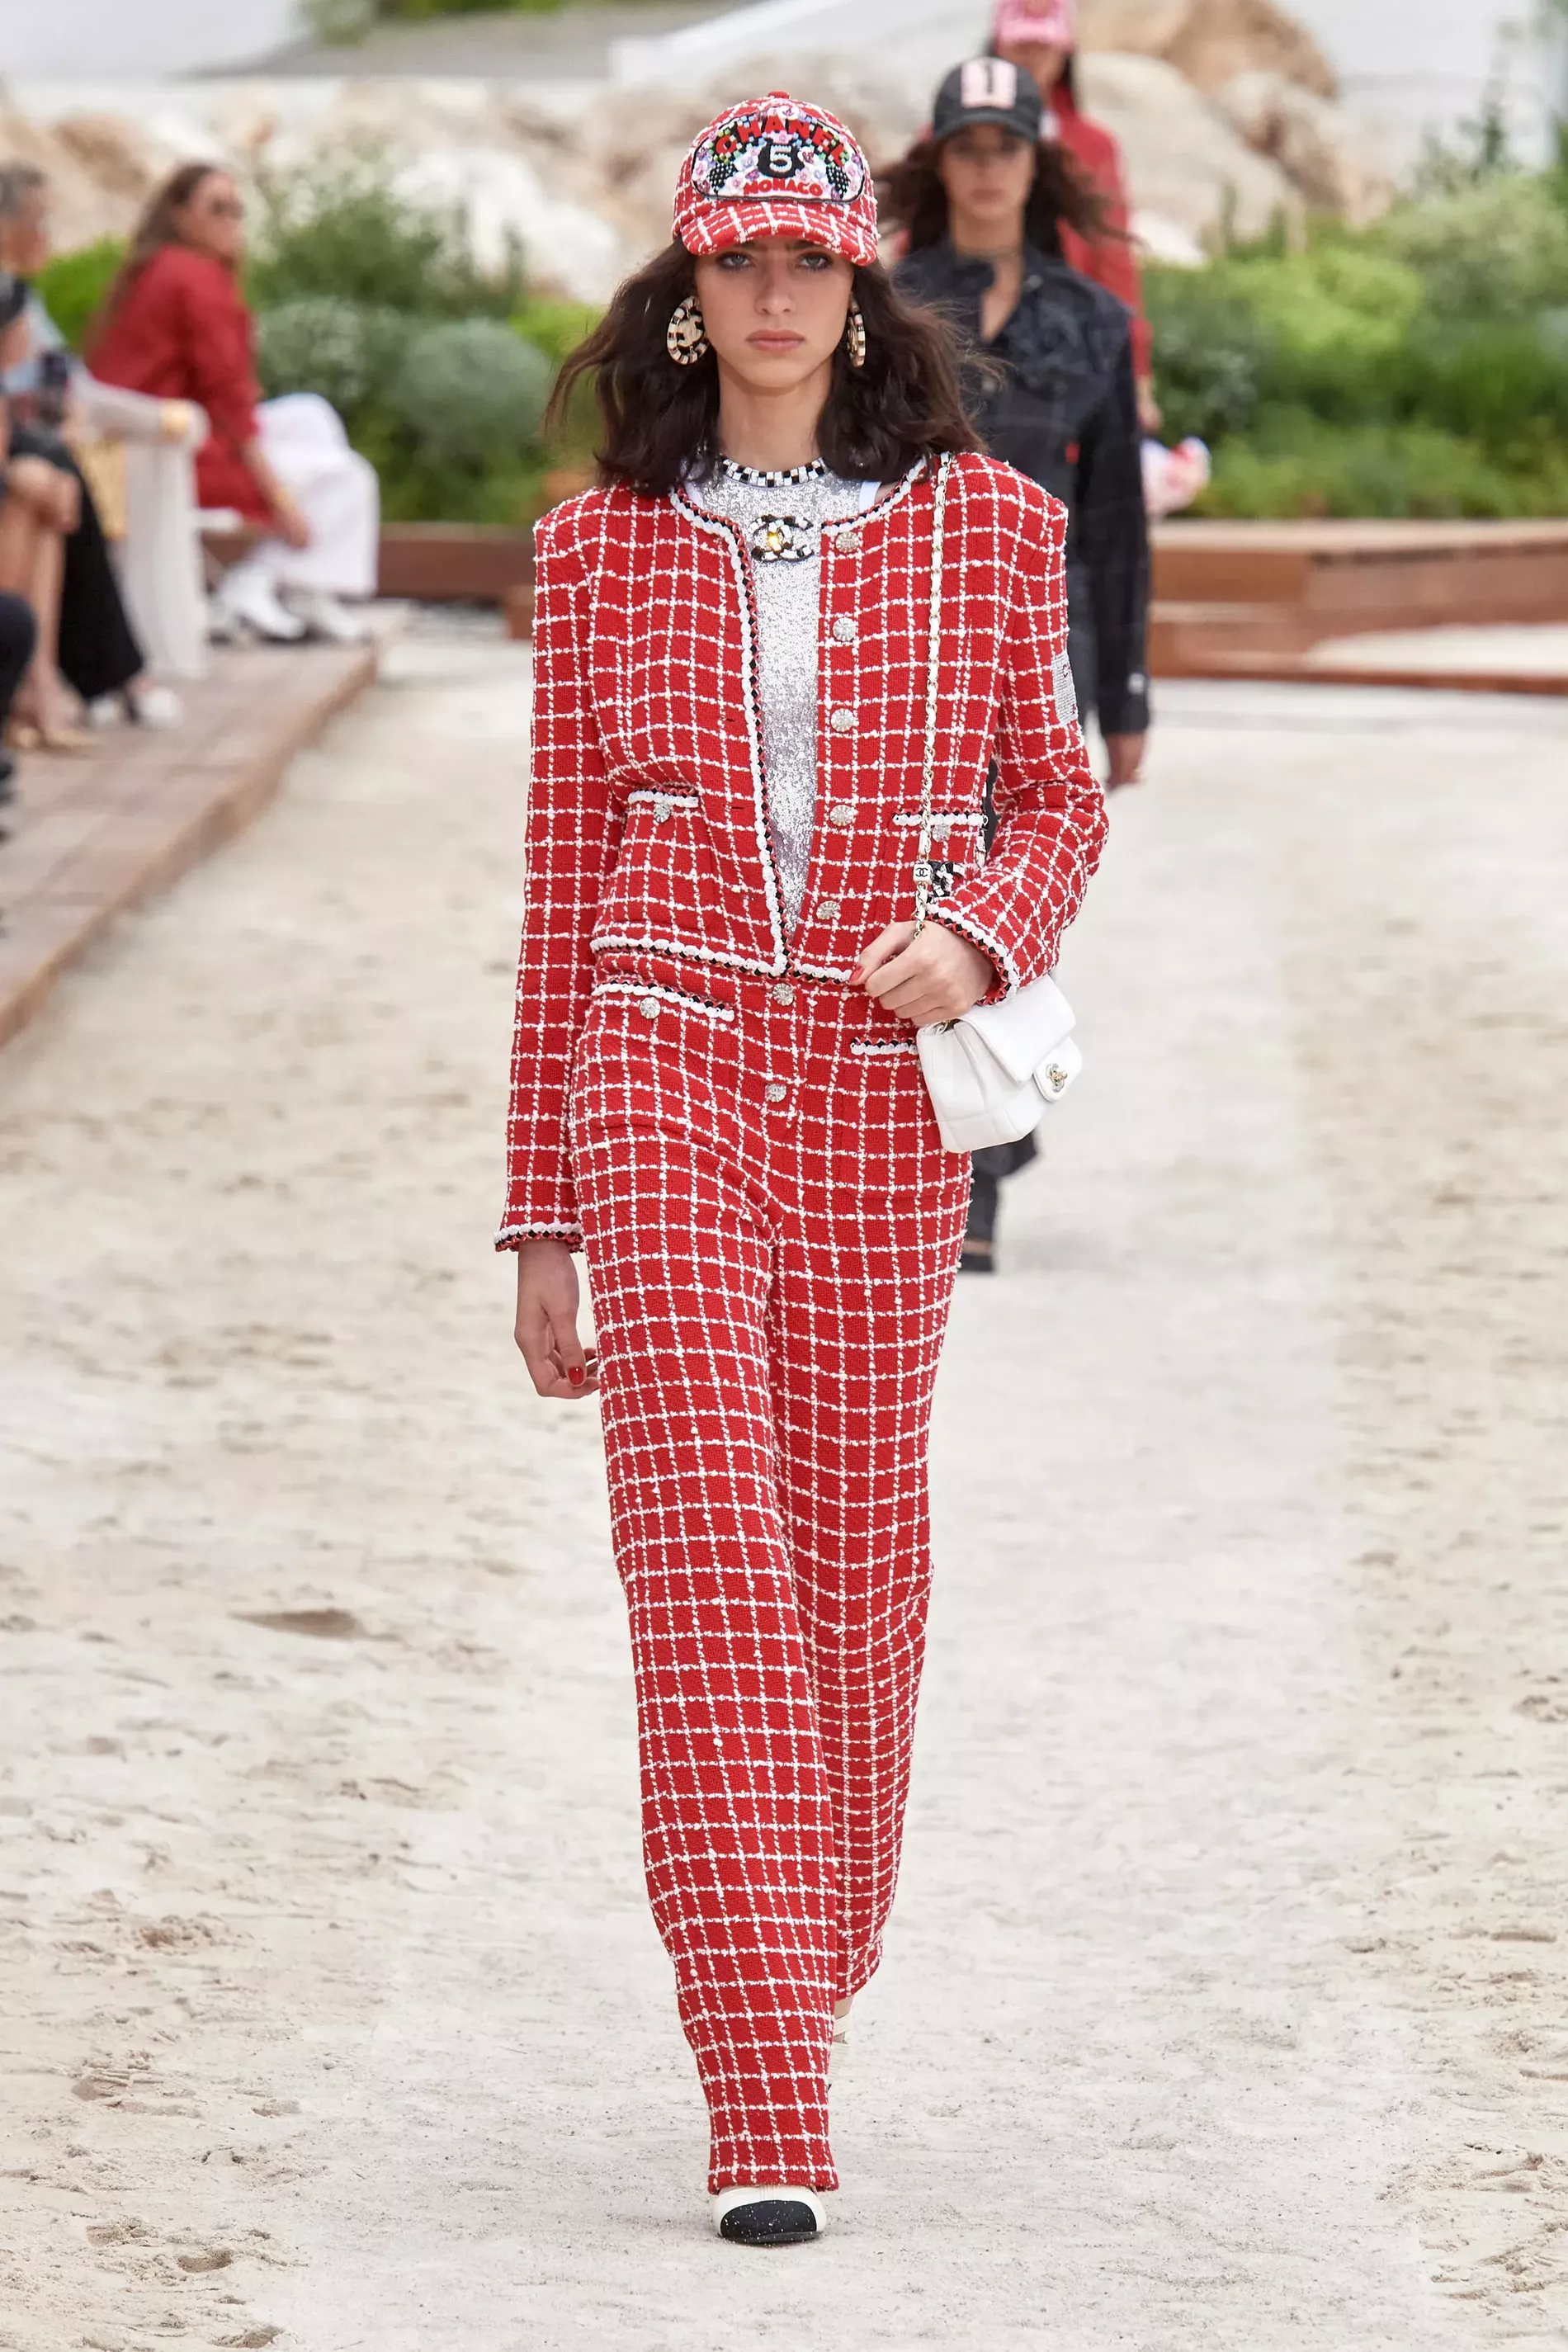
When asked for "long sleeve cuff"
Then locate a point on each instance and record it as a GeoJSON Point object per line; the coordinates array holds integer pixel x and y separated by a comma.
{"type": "Point", "coordinates": [1124, 705]}
{"type": "Point", "coordinates": [511, 1236]}
{"type": "Point", "coordinates": [965, 926]}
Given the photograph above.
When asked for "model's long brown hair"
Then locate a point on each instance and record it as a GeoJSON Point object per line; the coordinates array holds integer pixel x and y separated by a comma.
{"type": "Point", "coordinates": [910, 196]}
{"type": "Point", "coordinates": [661, 422]}
{"type": "Point", "coordinates": [156, 228]}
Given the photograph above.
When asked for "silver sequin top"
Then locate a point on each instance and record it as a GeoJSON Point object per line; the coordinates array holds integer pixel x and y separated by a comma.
{"type": "Point", "coordinates": [787, 624]}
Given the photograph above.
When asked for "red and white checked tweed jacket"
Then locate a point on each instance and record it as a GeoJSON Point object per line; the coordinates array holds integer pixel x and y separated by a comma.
{"type": "Point", "coordinates": [648, 834]}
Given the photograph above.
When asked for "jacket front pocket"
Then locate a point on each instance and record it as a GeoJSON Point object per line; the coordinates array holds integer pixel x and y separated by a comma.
{"type": "Point", "coordinates": [661, 805]}
{"type": "Point", "coordinates": [660, 884]}
{"type": "Point", "coordinates": [649, 998]}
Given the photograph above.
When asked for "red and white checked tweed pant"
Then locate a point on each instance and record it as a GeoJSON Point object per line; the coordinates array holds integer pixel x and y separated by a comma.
{"type": "Point", "coordinates": [772, 1230]}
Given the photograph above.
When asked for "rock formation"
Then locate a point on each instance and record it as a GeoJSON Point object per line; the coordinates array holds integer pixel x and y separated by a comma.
{"type": "Point", "coordinates": [1265, 79]}
{"type": "Point", "coordinates": [1329, 159]}
{"type": "Point", "coordinates": [100, 168]}
{"type": "Point", "coordinates": [1185, 163]}
{"type": "Point", "coordinates": [1209, 42]}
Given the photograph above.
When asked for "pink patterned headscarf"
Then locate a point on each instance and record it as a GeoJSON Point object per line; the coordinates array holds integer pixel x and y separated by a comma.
{"type": "Point", "coordinates": [1053, 24]}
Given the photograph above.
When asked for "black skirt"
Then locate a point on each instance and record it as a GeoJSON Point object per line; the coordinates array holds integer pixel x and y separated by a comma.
{"type": "Point", "coordinates": [97, 649]}
{"type": "Point", "coordinates": [17, 634]}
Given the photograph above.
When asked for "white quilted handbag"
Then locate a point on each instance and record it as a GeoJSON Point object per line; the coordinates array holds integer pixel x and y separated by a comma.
{"type": "Point", "coordinates": [990, 1073]}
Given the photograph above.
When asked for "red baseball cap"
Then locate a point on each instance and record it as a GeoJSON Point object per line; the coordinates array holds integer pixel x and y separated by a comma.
{"type": "Point", "coordinates": [773, 167]}
{"type": "Point", "coordinates": [1052, 24]}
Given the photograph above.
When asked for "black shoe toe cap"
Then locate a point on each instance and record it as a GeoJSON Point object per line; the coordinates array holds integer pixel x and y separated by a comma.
{"type": "Point", "coordinates": [771, 2221]}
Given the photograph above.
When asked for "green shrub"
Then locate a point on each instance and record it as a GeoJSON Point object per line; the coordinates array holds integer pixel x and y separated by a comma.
{"type": "Point", "coordinates": [1418, 368]}
{"type": "Point", "coordinates": [351, 20]}
{"type": "Point", "coordinates": [1505, 384]}
{"type": "Point", "coordinates": [417, 486]}
{"type": "Point", "coordinates": [1335, 318]}
{"type": "Point", "coordinates": [374, 302]}
{"type": "Point", "coordinates": [1497, 249]}
{"type": "Point", "coordinates": [422, 9]}
{"type": "Point", "coordinates": [1211, 351]}
{"type": "Point", "coordinates": [553, 325]}
{"type": "Point", "coordinates": [347, 233]}
{"type": "Point", "coordinates": [1294, 464]}
{"type": "Point", "coordinates": [341, 21]}
{"type": "Point", "coordinates": [348, 351]}
{"type": "Point", "coordinates": [1322, 329]}
{"type": "Point", "coordinates": [73, 285]}
{"type": "Point", "coordinates": [471, 392]}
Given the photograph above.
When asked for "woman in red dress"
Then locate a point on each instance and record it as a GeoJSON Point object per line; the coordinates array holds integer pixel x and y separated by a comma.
{"type": "Point", "coordinates": [1039, 35]}
{"type": "Point", "coordinates": [800, 601]}
{"type": "Point", "coordinates": [175, 325]}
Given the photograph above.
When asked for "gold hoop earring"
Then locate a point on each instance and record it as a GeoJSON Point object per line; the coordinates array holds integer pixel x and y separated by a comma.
{"type": "Point", "coordinates": [685, 337]}
{"type": "Point", "coordinates": [855, 335]}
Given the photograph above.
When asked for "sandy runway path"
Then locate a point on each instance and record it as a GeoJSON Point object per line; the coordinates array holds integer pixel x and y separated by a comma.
{"type": "Point", "coordinates": [1224, 2007]}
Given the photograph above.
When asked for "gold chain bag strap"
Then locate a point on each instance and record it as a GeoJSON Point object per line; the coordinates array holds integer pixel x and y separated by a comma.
{"type": "Point", "coordinates": [990, 1073]}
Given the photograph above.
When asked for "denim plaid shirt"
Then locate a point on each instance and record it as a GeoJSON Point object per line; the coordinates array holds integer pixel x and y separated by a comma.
{"type": "Point", "coordinates": [1052, 395]}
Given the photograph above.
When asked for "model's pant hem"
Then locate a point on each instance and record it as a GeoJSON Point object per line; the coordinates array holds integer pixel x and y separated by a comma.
{"type": "Point", "coordinates": [793, 2170]}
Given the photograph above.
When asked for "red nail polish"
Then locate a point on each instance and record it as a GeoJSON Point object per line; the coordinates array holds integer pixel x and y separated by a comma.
{"type": "Point", "coordinates": [576, 1375]}
{"type": "Point", "coordinates": [856, 976]}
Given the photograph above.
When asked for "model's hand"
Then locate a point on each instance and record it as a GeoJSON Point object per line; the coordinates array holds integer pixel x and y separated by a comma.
{"type": "Point", "coordinates": [546, 1331]}
{"type": "Point", "coordinates": [1148, 417]}
{"type": "Point", "coordinates": [47, 491]}
{"type": "Point", "coordinates": [933, 977]}
{"type": "Point", "coordinates": [1126, 755]}
{"type": "Point", "coordinates": [288, 522]}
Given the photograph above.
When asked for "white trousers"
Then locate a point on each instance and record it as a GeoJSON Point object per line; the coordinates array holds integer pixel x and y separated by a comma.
{"type": "Point", "coordinates": [303, 438]}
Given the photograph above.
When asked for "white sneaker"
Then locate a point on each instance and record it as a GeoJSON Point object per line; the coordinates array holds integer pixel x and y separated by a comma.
{"type": "Point", "coordinates": [324, 616]}
{"type": "Point", "coordinates": [246, 600]}
{"type": "Point", "coordinates": [155, 705]}
{"type": "Point", "coordinates": [149, 706]}
{"type": "Point", "coordinates": [766, 2216]}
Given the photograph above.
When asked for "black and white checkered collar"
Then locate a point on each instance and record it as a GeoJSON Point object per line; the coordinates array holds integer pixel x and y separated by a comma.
{"type": "Point", "coordinates": [756, 478]}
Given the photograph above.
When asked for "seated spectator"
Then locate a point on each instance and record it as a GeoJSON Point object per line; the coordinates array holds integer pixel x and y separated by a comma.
{"type": "Point", "coordinates": [93, 647]}
{"type": "Point", "coordinates": [39, 509]}
{"type": "Point", "coordinates": [17, 634]}
{"type": "Point", "coordinates": [174, 324]}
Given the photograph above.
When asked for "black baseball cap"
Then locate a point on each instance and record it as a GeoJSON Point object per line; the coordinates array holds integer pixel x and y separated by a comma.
{"type": "Point", "coordinates": [988, 89]}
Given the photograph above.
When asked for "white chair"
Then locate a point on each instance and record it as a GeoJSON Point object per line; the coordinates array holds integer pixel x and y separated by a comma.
{"type": "Point", "coordinates": [161, 559]}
